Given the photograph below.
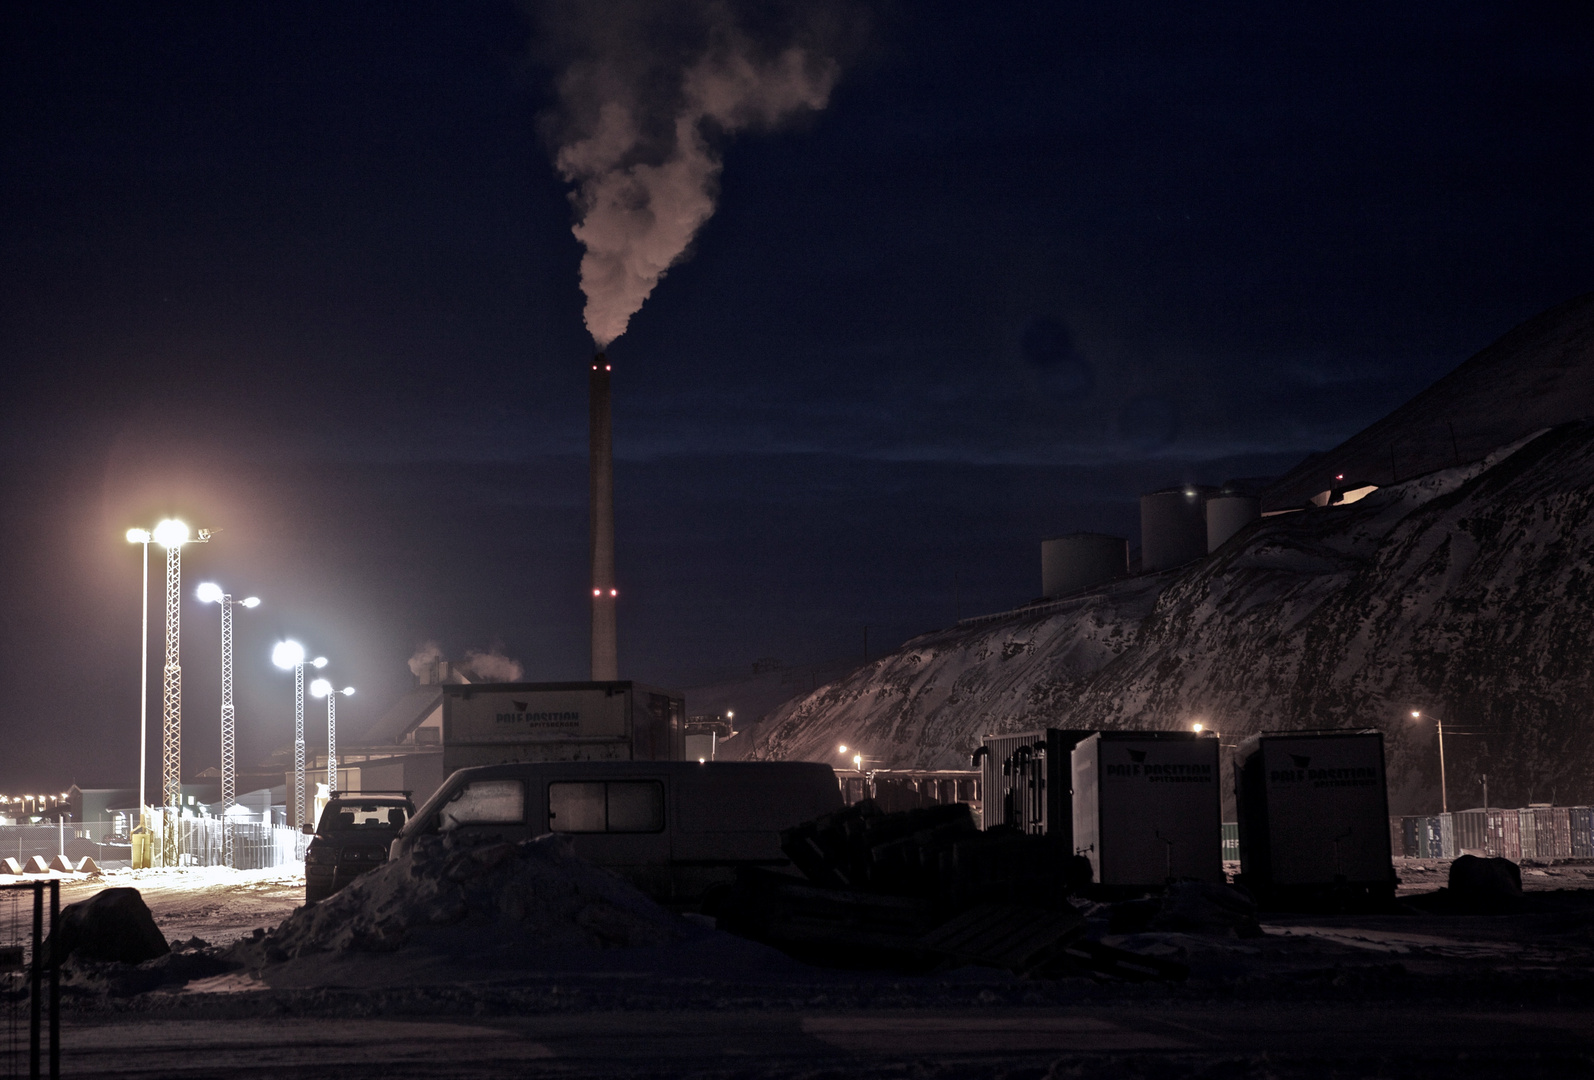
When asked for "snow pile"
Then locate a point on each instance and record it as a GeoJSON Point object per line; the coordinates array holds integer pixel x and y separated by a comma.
{"type": "Point", "coordinates": [498, 894]}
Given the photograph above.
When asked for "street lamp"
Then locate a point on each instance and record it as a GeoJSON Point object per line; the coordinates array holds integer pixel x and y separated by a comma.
{"type": "Point", "coordinates": [289, 655]}
{"type": "Point", "coordinates": [322, 688]}
{"type": "Point", "coordinates": [1444, 798]}
{"type": "Point", "coordinates": [142, 536]}
{"type": "Point", "coordinates": [211, 593]}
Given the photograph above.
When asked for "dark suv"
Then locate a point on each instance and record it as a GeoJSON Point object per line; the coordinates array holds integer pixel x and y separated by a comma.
{"type": "Point", "coordinates": [352, 839]}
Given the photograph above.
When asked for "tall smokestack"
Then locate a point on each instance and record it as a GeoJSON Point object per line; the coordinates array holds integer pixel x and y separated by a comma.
{"type": "Point", "coordinates": [605, 650]}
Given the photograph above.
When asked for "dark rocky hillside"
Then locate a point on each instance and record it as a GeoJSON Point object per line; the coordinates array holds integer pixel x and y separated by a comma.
{"type": "Point", "coordinates": [1467, 593]}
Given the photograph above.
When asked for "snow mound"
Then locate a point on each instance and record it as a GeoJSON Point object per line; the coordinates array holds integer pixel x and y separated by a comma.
{"type": "Point", "coordinates": [536, 891]}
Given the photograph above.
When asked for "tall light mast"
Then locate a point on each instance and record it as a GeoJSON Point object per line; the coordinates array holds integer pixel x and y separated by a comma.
{"type": "Point", "coordinates": [142, 536]}
{"type": "Point", "coordinates": [211, 593]}
{"type": "Point", "coordinates": [323, 688]}
{"type": "Point", "coordinates": [290, 654]}
{"type": "Point", "coordinates": [172, 534]}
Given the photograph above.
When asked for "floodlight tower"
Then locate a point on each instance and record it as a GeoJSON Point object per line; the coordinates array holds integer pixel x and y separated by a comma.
{"type": "Point", "coordinates": [323, 688]}
{"type": "Point", "coordinates": [286, 655]}
{"type": "Point", "coordinates": [142, 536]}
{"type": "Point", "coordinates": [210, 593]}
{"type": "Point", "coordinates": [172, 534]}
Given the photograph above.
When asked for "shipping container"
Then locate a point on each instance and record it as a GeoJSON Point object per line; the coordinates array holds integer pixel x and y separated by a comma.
{"type": "Point", "coordinates": [1561, 824]}
{"type": "Point", "coordinates": [1026, 781]}
{"type": "Point", "coordinates": [1472, 832]}
{"type": "Point", "coordinates": [1526, 828]}
{"type": "Point", "coordinates": [1510, 835]}
{"type": "Point", "coordinates": [1314, 813]}
{"type": "Point", "coordinates": [1581, 823]}
{"type": "Point", "coordinates": [492, 723]}
{"type": "Point", "coordinates": [1147, 809]}
{"type": "Point", "coordinates": [1411, 836]}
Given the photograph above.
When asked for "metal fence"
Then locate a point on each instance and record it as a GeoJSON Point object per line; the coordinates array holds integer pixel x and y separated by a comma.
{"type": "Point", "coordinates": [178, 841]}
{"type": "Point", "coordinates": [30, 985]}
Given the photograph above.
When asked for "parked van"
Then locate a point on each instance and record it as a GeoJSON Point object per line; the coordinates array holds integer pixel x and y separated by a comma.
{"type": "Point", "coordinates": [674, 828]}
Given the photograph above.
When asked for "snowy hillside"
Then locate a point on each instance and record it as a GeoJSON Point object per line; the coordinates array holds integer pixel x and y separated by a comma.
{"type": "Point", "coordinates": [1467, 594]}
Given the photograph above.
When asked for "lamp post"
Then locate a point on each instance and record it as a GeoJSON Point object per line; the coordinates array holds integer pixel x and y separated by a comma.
{"type": "Point", "coordinates": [289, 655]}
{"type": "Point", "coordinates": [1444, 798]}
{"type": "Point", "coordinates": [210, 593]}
{"type": "Point", "coordinates": [323, 688]}
{"type": "Point", "coordinates": [142, 536]}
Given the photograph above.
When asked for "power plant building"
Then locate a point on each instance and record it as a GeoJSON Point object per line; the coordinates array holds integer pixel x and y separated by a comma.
{"type": "Point", "coordinates": [1081, 560]}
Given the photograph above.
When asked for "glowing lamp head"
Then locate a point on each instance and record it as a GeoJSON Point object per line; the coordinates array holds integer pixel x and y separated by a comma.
{"type": "Point", "coordinates": [319, 662]}
{"type": "Point", "coordinates": [250, 601]}
{"type": "Point", "coordinates": [209, 592]}
{"type": "Point", "coordinates": [1196, 728]}
{"type": "Point", "coordinates": [842, 749]}
{"type": "Point", "coordinates": [138, 536]}
{"type": "Point", "coordinates": [287, 654]}
{"type": "Point", "coordinates": [1415, 714]}
{"type": "Point", "coordinates": [857, 762]}
{"type": "Point", "coordinates": [320, 688]}
{"type": "Point", "coordinates": [171, 533]}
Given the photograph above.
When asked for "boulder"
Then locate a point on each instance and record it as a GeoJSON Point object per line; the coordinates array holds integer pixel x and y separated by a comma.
{"type": "Point", "coordinates": [62, 865]}
{"type": "Point", "coordinates": [112, 925]}
{"type": "Point", "coordinates": [1485, 886]}
{"type": "Point", "coordinates": [10, 866]}
{"type": "Point", "coordinates": [87, 865]}
{"type": "Point", "coordinates": [36, 865]}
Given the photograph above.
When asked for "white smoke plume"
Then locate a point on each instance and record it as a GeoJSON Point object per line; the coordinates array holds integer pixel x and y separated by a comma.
{"type": "Point", "coordinates": [646, 89]}
{"type": "Point", "coordinates": [492, 666]}
{"type": "Point", "coordinates": [425, 656]}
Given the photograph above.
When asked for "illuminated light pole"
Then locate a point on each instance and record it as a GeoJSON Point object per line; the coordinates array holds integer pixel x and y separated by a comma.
{"type": "Point", "coordinates": [289, 655]}
{"type": "Point", "coordinates": [1444, 797]}
{"type": "Point", "coordinates": [323, 688]}
{"type": "Point", "coordinates": [172, 534]}
{"type": "Point", "coordinates": [210, 593]}
{"type": "Point", "coordinates": [142, 536]}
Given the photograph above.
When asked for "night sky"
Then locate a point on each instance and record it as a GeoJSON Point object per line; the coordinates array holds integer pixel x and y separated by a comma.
{"type": "Point", "coordinates": [304, 273]}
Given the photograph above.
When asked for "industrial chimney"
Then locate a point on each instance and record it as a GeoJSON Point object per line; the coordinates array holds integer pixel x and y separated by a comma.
{"type": "Point", "coordinates": [605, 651]}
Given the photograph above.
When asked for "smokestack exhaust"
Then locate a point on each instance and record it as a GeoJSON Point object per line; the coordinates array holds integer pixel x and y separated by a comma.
{"type": "Point", "coordinates": [605, 649]}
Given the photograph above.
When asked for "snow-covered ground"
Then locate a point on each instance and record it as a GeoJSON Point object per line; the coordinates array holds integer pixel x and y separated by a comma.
{"type": "Point", "coordinates": [214, 903]}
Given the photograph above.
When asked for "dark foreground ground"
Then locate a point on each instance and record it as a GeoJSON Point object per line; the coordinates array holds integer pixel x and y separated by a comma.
{"type": "Point", "coordinates": [1405, 996]}
{"type": "Point", "coordinates": [1390, 996]}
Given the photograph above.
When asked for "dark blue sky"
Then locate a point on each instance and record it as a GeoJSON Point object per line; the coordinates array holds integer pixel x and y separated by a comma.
{"type": "Point", "coordinates": [303, 272]}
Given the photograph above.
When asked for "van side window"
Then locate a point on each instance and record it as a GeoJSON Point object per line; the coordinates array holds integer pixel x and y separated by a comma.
{"type": "Point", "coordinates": [618, 806]}
{"type": "Point", "coordinates": [485, 802]}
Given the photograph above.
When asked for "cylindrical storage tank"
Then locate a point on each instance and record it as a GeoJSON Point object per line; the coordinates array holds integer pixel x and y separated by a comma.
{"type": "Point", "coordinates": [1173, 527]}
{"type": "Point", "coordinates": [1080, 560]}
{"type": "Point", "coordinates": [1227, 514]}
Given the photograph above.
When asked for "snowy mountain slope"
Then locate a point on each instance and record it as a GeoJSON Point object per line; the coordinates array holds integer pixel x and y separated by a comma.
{"type": "Point", "coordinates": [1467, 594]}
{"type": "Point", "coordinates": [1538, 375]}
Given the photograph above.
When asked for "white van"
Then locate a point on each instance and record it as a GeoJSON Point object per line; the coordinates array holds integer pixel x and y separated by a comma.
{"type": "Point", "coordinates": [674, 828]}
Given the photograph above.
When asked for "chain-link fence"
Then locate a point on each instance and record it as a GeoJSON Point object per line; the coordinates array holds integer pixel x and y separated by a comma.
{"type": "Point", "coordinates": [172, 840]}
